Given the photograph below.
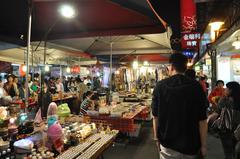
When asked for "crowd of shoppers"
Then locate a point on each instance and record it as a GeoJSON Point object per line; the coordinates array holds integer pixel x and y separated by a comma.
{"type": "Point", "coordinates": [15, 89]}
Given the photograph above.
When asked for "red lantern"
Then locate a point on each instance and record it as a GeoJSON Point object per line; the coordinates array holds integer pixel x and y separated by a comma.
{"type": "Point", "coordinates": [75, 69]}
{"type": "Point", "coordinates": [22, 70]}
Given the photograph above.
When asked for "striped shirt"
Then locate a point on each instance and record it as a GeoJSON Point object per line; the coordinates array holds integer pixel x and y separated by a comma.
{"type": "Point", "coordinates": [85, 104]}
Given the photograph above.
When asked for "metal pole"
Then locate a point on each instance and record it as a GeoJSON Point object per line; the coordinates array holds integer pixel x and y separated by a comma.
{"type": "Point", "coordinates": [61, 72]}
{"type": "Point", "coordinates": [79, 65]}
{"type": "Point", "coordinates": [137, 77]}
{"type": "Point", "coordinates": [45, 51]}
{"type": "Point", "coordinates": [110, 87]}
{"type": "Point", "coordinates": [213, 55]}
{"type": "Point", "coordinates": [40, 75]}
{"type": "Point", "coordinates": [28, 49]}
{"type": "Point", "coordinates": [111, 47]}
{"type": "Point", "coordinates": [32, 56]}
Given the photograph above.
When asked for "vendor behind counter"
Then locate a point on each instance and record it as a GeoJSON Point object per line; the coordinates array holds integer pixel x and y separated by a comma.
{"type": "Point", "coordinates": [45, 100]}
{"type": "Point", "coordinates": [90, 102]}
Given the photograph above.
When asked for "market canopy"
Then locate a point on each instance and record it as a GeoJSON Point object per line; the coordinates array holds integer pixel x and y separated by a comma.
{"type": "Point", "coordinates": [96, 21]}
{"type": "Point", "coordinates": [53, 56]}
{"type": "Point", "coordinates": [125, 49]}
{"type": "Point", "coordinates": [230, 45]}
{"type": "Point", "coordinates": [121, 45]}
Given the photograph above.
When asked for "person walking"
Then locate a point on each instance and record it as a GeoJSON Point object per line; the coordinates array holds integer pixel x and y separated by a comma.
{"type": "Point", "coordinates": [179, 113]}
{"type": "Point", "coordinates": [232, 101]}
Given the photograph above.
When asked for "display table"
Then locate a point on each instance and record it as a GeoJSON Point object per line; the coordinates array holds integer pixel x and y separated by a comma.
{"type": "Point", "coordinates": [124, 124]}
{"type": "Point", "coordinates": [146, 114]}
{"type": "Point", "coordinates": [31, 103]}
{"type": "Point", "coordinates": [70, 99]}
{"type": "Point", "coordinates": [91, 148]}
{"type": "Point", "coordinates": [63, 98]}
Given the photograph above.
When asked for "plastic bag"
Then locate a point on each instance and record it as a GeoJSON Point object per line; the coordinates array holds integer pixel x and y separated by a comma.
{"type": "Point", "coordinates": [63, 110]}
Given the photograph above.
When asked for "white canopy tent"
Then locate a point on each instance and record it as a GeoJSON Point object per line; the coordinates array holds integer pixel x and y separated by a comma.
{"type": "Point", "coordinates": [75, 51]}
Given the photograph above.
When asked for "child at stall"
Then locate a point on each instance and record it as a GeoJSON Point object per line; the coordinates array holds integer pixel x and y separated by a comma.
{"type": "Point", "coordinates": [55, 135]}
{"type": "Point", "coordinates": [52, 109]}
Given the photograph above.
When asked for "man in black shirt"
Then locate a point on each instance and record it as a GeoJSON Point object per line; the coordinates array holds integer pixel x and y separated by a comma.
{"type": "Point", "coordinates": [179, 111]}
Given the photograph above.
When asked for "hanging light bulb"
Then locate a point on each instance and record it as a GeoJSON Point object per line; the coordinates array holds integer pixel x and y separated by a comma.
{"type": "Point", "coordinates": [46, 68]}
{"type": "Point", "coordinates": [67, 11]}
{"type": "Point", "coordinates": [215, 26]}
{"type": "Point", "coordinates": [145, 63]}
{"type": "Point", "coordinates": [135, 64]}
{"type": "Point", "coordinates": [68, 69]}
{"type": "Point", "coordinates": [24, 68]}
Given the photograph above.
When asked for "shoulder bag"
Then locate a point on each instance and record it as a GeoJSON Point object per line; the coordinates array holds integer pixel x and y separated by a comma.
{"type": "Point", "coordinates": [227, 120]}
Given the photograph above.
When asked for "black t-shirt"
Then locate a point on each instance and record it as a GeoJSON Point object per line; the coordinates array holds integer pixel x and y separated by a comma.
{"type": "Point", "coordinates": [179, 104]}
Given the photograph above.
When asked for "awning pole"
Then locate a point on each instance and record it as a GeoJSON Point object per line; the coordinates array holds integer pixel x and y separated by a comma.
{"type": "Point", "coordinates": [79, 65]}
{"type": "Point", "coordinates": [110, 87]}
{"type": "Point", "coordinates": [28, 49]}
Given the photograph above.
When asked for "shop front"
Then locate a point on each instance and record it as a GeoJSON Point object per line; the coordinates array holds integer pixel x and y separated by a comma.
{"type": "Point", "coordinates": [228, 59]}
{"type": "Point", "coordinates": [228, 68]}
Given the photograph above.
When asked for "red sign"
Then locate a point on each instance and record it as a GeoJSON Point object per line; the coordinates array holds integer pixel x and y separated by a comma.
{"type": "Point", "coordinates": [188, 16]}
{"type": "Point", "coordinates": [75, 69]}
{"type": "Point", "coordinates": [191, 40]}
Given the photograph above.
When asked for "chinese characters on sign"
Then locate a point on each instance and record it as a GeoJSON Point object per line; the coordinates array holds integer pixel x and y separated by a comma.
{"type": "Point", "coordinates": [188, 16]}
{"type": "Point", "coordinates": [191, 40]}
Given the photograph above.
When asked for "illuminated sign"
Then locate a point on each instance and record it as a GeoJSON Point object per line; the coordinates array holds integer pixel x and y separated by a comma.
{"type": "Point", "coordinates": [75, 69]}
{"type": "Point", "coordinates": [190, 40]}
{"type": "Point", "coordinates": [190, 53]}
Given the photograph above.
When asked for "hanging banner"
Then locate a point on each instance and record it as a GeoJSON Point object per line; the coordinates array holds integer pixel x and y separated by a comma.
{"type": "Point", "coordinates": [75, 69]}
{"type": "Point", "coordinates": [190, 38]}
{"type": "Point", "coordinates": [188, 16]}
